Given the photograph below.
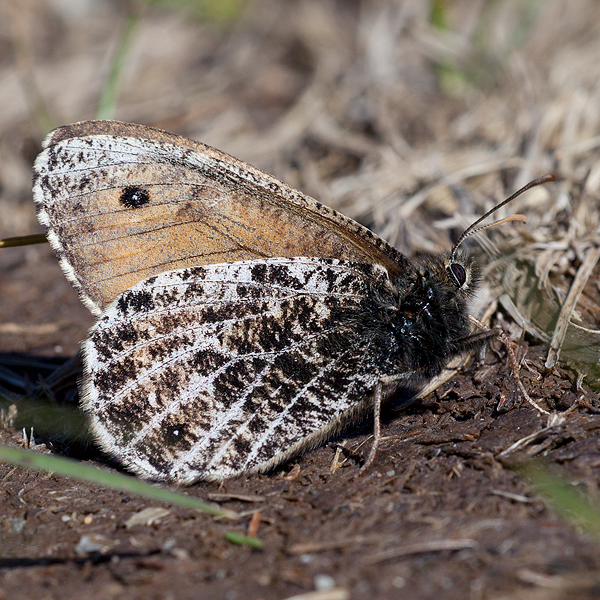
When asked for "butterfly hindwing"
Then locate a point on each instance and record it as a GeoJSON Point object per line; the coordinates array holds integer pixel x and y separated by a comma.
{"type": "Point", "coordinates": [212, 371]}
{"type": "Point", "coordinates": [123, 202]}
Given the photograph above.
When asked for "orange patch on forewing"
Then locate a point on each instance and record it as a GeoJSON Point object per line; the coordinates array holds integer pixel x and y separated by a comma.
{"type": "Point", "coordinates": [204, 207]}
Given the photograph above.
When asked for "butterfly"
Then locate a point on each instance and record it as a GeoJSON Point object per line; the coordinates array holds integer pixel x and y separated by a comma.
{"type": "Point", "coordinates": [240, 321]}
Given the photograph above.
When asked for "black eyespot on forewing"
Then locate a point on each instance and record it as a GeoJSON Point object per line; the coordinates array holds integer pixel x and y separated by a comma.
{"type": "Point", "coordinates": [134, 197]}
{"type": "Point", "coordinates": [460, 275]}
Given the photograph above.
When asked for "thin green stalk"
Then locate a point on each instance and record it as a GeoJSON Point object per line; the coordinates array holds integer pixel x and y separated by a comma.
{"type": "Point", "coordinates": [108, 101]}
{"type": "Point", "coordinates": [23, 240]}
{"type": "Point", "coordinates": [242, 540]}
{"type": "Point", "coordinates": [71, 468]}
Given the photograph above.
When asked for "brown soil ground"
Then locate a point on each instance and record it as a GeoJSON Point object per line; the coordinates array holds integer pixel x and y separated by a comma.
{"type": "Point", "coordinates": [442, 513]}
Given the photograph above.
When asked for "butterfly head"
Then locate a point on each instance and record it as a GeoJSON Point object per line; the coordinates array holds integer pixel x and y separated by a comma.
{"type": "Point", "coordinates": [431, 312]}
{"type": "Point", "coordinates": [445, 284]}
{"type": "Point", "coordinates": [463, 272]}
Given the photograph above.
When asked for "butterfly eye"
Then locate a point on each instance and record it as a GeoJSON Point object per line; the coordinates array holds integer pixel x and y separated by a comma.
{"type": "Point", "coordinates": [459, 273]}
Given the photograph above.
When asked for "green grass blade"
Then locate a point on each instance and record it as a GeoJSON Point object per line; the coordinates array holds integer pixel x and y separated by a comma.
{"type": "Point", "coordinates": [24, 240]}
{"type": "Point", "coordinates": [75, 470]}
{"type": "Point", "coordinates": [242, 540]}
{"type": "Point", "coordinates": [108, 101]}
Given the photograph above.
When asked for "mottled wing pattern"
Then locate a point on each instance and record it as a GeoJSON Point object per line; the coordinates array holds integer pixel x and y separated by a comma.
{"type": "Point", "coordinates": [123, 202]}
{"type": "Point", "coordinates": [212, 371]}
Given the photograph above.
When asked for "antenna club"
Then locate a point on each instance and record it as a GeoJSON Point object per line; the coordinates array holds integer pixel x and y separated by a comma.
{"type": "Point", "coordinates": [472, 228]}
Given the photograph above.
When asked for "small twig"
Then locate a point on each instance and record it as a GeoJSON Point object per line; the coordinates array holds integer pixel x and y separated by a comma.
{"type": "Point", "coordinates": [254, 524]}
{"type": "Point", "coordinates": [524, 441]}
{"type": "Point", "coordinates": [359, 540]}
{"type": "Point", "coordinates": [553, 421]}
{"type": "Point", "coordinates": [423, 548]}
{"type": "Point", "coordinates": [221, 497]}
{"type": "Point", "coordinates": [531, 400]}
{"type": "Point", "coordinates": [513, 363]}
{"type": "Point", "coordinates": [353, 452]}
{"type": "Point", "coordinates": [293, 474]}
{"type": "Point", "coordinates": [336, 593]}
{"type": "Point", "coordinates": [336, 463]}
{"type": "Point", "coordinates": [511, 496]}
{"type": "Point", "coordinates": [41, 329]}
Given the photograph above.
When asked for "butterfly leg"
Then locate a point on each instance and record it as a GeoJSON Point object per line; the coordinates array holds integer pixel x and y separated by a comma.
{"type": "Point", "coordinates": [377, 400]}
{"type": "Point", "coordinates": [378, 397]}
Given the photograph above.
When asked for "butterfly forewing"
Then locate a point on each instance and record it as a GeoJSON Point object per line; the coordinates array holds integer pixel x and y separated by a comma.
{"type": "Point", "coordinates": [213, 371]}
{"type": "Point", "coordinates": [124, 202]}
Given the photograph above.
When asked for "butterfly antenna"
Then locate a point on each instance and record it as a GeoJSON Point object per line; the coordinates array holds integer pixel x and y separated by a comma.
{"type": "Point", "coordinates": [472, 229]}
